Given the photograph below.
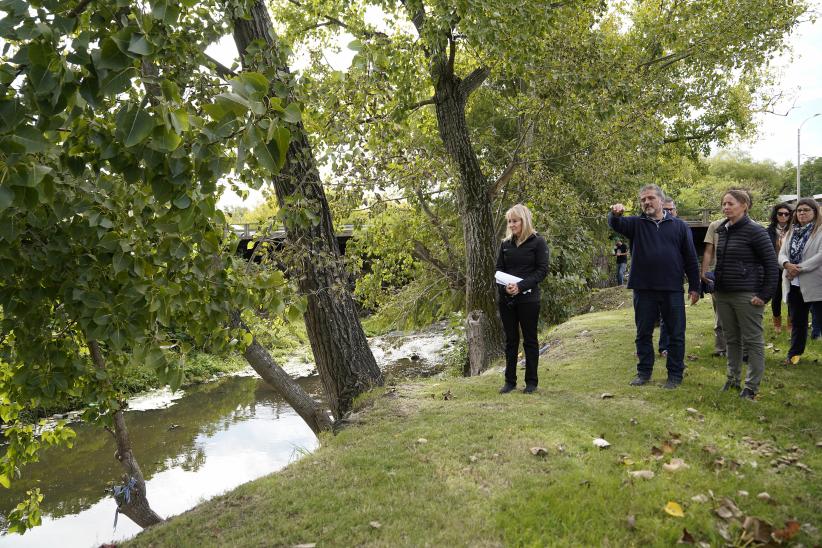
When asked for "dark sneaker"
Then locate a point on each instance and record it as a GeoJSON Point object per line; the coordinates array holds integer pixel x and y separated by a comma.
{"type": "Point", "coordinates": [730, 385]}
{"type": "Point", "coordinates": [639, 381]}
{"type": "Point", "coordinates": [508, 387]}
{"type": "Point", "coordinates": [719, 353]}
{"type": "Point", "coordinates": [745, 358]}
{"type": "Point", "coordinates": [747, 394]}
{"type": "Point", "coordinates": [671, 384]}
{"type": "Point", "coordinates": [530, 389]}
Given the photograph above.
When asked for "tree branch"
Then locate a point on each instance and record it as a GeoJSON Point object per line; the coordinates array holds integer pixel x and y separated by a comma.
{"type": "Point", "coordinates": [694, 136]}
{"type": "Point", "coordinates": [443, 233]}
{"type": "Point", "coordinates": [455, 279]}
{"type": "Point", "coordinates": [474, 80]}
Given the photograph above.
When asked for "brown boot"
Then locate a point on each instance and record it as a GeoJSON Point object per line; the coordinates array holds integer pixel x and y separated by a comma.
{"type": "Point", "coordinates": [777, 324]}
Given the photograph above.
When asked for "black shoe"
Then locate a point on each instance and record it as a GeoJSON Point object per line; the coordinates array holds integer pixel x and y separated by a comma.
{"type": "Point", "coordinates": [730, 385]}
{"type": "Point", "coordinates": [719, 353]}
{"type": "Point", "coordinates": [745, 358]}
{"type": "Point", "coordinates": [747, 394]}
{"type": "Point", "coordinates": [530, 389]}
{"type": "Point", "coordinates": [639, 381]}
{"type": "Point", "coordinates": [671, 384]}
{"type": "Point", "coordinates": [508, 387]}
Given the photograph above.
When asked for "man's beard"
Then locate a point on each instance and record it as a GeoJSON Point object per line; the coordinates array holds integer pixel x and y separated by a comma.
{"type": "Point", "coordinates": [649, 210]}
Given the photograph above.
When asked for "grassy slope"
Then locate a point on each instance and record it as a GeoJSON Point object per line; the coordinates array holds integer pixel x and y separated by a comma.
{"type": "Point", "coordinates": [475, 482]}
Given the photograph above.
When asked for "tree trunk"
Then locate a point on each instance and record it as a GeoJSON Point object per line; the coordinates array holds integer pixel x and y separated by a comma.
{"type": "Point", "coordinates": [312, 412]}
{"type": "Point", "coordinates": [131, 497]}
{"type": "Point", "coordinates": [475, 208]}
{"type": "Point", "coordinates": [345, 362]}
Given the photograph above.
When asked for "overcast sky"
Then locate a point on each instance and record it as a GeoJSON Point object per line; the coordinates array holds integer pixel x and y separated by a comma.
{"type": "Point", "coordinates": [800, 80]}
{"type": "Point", "coordinates": [801, 83]}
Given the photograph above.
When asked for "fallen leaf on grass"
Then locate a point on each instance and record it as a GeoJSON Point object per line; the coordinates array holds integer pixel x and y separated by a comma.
{"type": "Point", "coordinates": [692, 411]}
{"type": "Point", "coordinates": [656, 452]}
{"type": "Point", "coordinates": [686, 538]}
{"type": "Point", "coordinates": [764, 496]}
{"type": "Point", "coordinates": [742, 493]}
{"type": "Point", "coordinates": [473, 458]}
{"type": "Point", "coordinates": [539, 451]}
{"type": "Point", "coordinates": [631, 521]}
{"type": "Point", "coordinates": [674, 509]}
{"type": "Point", "coordinates": [375, 524]}
{"type": "Point", "coordinates": [606, 395]}
{"type": "Point", "coordinates": [794, 360]}
{"type": "Point", "coordinates": [635, 422]}
{"type": "Point", "coordinates": [560, 448]}
{"type": "Point", "coordinates": [693, 357]}
{"type": "Point", "coordinates": [699, 498]}
{"type": "Point", "coordinates": [601, 443]}
{"type": "Point", "coordinates": [728, 509]}
{"type": "Point", "coordinates": [422, 440]}
{"type": "Point", "coordinates": [675, 465]}
{"type": "Point", "coordinates": [710, 449]}
{"type": "Point", "coordinates": [305, 545]}
{"type": "Point", "coordinates": [819, 444]}
{"type": "Point", "coordinates": [791, 529]}
{"type": "Point", "coordinates": [642, 474]}
{"type": "Point", "coordinates": [667, 447]}
{"type": "Point", "coordinates": [447, 395]}
{"type": "Point", "coordinates": [722, 528]}
{"type": "Point", "coordinates": [756, 530]}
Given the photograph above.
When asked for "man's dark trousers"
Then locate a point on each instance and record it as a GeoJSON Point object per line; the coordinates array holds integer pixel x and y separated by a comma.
{"type": "Point", "coordinates": [649, 305]}
{"type": "Point", "coordinates": [515, 316]}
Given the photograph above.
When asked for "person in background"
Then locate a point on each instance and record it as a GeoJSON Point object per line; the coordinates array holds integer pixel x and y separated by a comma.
{"type": "Point", "coordinates": [662, 252]}
{"type": "Point", "coordinates": [524, 254]}
{"type": "Point", "coordinates": [669, 206]}
{"type": "Point", "coordinates": [708, 280]}
{"type": "Point", "coordinates": [621, 254]}
{"type": "Point", "coordinates": [800, 258]}
{"type": "Point", "coordinates": [745, 274]}
{"type": "Point", "coordinates": [777, 228]}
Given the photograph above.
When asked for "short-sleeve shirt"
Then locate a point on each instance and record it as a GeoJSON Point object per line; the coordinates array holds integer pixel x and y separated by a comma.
{"type": "Point", "coordinates": [711, 237]}
{"type": "Point", "coordinates": [621, 248]}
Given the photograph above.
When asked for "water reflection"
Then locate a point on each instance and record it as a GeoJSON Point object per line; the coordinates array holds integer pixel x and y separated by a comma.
{"type": "Point", "coordinates": [216, 437]}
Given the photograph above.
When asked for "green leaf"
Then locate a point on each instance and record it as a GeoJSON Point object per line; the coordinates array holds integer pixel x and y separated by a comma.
{"type": "Point", "coordinates": [165, 139]}
{"type": "Point", "coordinates": [171, 91]}
{"type": "Point", "coordinates": [292, 113]}
{"type": "Point", "coordinates": [11, 115]}
{"type": "Point", "coordinates": [4, 481]}
{"type": "Point", "coordinates": [6, 198]}
{"type": "Point", "coordinates": [251, 85]}
{"type": "Point", "coordinates": [140, 45]}
{"type": "Point", "coordinates": [120, 262]}
{"type": "Point", "coordinates": [233, 103]}
{"type": "Point", "coordinates": [182, 201]}
{"type": "Point", "coordinates": [30, 138]}
{"type": "Point", "coordinates": [355, 45]}
{"type": "Point", "coordinates": [265, 159]}
{"type": "Point", "coordinates": [134, 125]}
{"type": "Point", "coordinates": [110, 56]}
{"type": "Point", "coordinates": [281, 140]}
{"type": "Point", "coordinates": [117, 81]}
{"type": "Point", "coordinates": [179, 119]}
{"type": "Point", "coordinates": [166, 11]}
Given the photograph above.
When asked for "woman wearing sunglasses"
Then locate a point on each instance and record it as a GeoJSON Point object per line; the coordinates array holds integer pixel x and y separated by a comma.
{"type": "Point", "coordinates": [777, 229]}
{"type": "Point", "coordinates": [800, 257]}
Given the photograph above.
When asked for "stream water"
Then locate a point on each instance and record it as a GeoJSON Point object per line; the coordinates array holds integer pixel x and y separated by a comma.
{"type": "Point", "coordinates": [191, 446]}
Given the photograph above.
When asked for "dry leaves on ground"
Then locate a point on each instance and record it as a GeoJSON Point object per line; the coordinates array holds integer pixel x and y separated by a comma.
{"type": "Point", "coordinates": [539, 451]}
{"type": "Point", "coordinates": [601, 443]}
{"type": "Point", "coordinates": [642, 474]}
{"type": "Point", "coordinates": [675, 465]}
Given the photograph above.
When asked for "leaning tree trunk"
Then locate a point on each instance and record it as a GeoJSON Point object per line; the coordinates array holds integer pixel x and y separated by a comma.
{"type": "Point", "coordinates": [312, 412]}
{"type": "Point", "coordinates": [131, 496]}
{"type": "Point", "coordinates": [345, 362]}
{"type": "Point", "coordinates": [474, 202]}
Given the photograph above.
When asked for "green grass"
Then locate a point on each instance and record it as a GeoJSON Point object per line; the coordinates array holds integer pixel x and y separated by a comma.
{"type": "Point", "coordinates": [475, 482]}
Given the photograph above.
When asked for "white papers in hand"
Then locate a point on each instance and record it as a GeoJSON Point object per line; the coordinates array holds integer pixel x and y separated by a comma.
{"type": "Point", "coordinates": [503, 278]}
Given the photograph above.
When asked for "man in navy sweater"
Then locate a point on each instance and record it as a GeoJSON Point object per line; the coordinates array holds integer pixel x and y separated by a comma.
{"type": "Point", "coordinates": [663, 253]}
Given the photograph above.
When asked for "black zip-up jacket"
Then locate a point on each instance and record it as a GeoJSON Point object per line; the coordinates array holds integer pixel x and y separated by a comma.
{"type": "Point", "coordinates": [745, 259]}
{"type": "Point", "coordinates": [528, 261]}
{"type": "Point", "coordinates": [661, 252]}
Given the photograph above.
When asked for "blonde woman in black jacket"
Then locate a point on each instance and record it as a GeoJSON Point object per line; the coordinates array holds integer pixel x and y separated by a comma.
{"type": "Point", "coordinates": [523, 254]}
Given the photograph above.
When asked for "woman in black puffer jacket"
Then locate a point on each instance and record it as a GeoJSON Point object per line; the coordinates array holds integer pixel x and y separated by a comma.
{"type": "Point", "coordinates": [746, 274]}
{"type": "Point", "coordinates": [523, 254]}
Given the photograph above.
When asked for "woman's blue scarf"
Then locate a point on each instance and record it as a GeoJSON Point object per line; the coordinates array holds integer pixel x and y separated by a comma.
{"type": "Point", "coordinates": [798, 241]}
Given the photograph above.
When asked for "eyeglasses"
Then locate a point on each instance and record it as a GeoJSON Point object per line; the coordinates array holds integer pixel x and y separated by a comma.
{"type": "Point", "coordinates": [783, 213]}
{"type": "Point", "coordinates": [671, 209]}
{"type": "Point", "coordinates": [803, 210]}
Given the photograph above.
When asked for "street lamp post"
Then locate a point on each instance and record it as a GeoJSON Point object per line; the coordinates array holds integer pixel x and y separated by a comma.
{"type": "Point", "coordinates": [798, 161]}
